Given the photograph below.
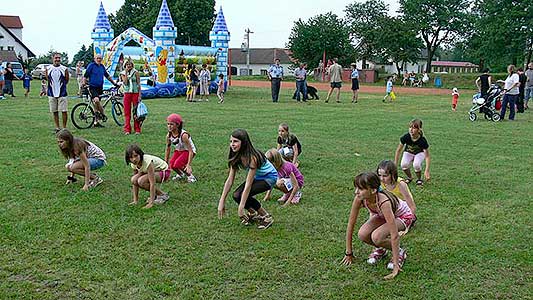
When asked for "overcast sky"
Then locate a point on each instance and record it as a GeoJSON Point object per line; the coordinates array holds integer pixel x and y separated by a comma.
{"type": "Point", "coordinates": [65, 25]}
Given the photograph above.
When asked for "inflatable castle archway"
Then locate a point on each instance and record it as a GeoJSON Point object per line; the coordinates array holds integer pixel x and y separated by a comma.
{"type": "Point", "coordinates": [166, 60]}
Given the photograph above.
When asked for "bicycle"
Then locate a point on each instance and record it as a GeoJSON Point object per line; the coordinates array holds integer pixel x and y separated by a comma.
{"type": "Point", "coordinates": [83, 114]}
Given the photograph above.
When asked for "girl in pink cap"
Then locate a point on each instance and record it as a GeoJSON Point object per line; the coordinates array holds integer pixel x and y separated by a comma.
{"type": "Point", "coordinates": [184, 149]}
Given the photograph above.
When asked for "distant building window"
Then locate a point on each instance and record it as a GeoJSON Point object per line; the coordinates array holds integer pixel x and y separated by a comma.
{"type": "Point", "coordinates": [1, 48]}
{"type": "Point", "coordinates": [10, 48]}
{"type": "Point", "coordinates": [264, 72]}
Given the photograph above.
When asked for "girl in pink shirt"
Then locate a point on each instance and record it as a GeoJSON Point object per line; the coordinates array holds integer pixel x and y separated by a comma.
{"type": "Point", "coordinates": [290, 179]}
{"type": "Point", "coordinates": [388, 216]}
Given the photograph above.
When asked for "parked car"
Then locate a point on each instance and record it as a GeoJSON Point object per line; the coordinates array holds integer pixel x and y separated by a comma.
{"type": "Point", "coordinates": [39, 71]}
{"type": "Point", "coordinates": [16, 67]}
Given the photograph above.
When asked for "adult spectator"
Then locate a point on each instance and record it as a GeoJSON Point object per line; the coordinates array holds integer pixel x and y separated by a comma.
{"type": "Point", "coordinates": [335, 79]}
{"type": "Point", "coordinates": [425, 78]}
{"type": "Point", "coordinates": [301, 84]}
{"type": "Point", "coordinates": [319, 72]}
{"type": "Point", "coordinates": [275, 75]}
{"type": "Point", "coordinates": [79, 76]}
{"type": "Point", "coordinates": [483, 83]}
{"type": "Point", "coordinates": [132, 95]}
{"type": "Point", "coordinates": [9, 76]}
{"type": "Point", "coordinates": [521, 90]}
{"type": "Point", "coordinates": [1, 81]}
{"type": "Point", "coordinates": [510, 92]}
{"type": "Point", "coordinates": [57, 77]}
{"type": "Point", "coordinates": [529, 85]}
{"type": "Point", "coordinates": [94, 76]}
{"type": "Point", "coordinates": [405, 78]}
{"type": "Point", "coordinates": [355, 82]}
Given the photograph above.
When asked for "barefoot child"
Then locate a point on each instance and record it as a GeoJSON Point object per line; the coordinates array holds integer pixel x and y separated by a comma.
{"type": "Point", "coordinates": [44, 86]}
{"type": "Point", "coordinates": [290, 179]}
{"type": "Point", "coordinates": [455, 98]}
{"type": "Point", "coordinates": [184, 149]}
{"type": "Point", "coordinates": [288, 144]}
{"type": "Point", "coordinates": [415, 150]}
{"type": "Point", "coordinates": [26, 78]}
{"type": "Point", "coordinates": [261, 177]}
{"type": "Point", "coordinates": [148, 170]}
{"type": "Point", "coordinates": [388, 215]}
{"type": "Point", "coordinates": [83, 157]}
{"type": "Point", "coordinates": [220, 90]}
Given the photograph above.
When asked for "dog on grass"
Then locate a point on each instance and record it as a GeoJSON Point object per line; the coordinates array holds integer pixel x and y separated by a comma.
{"type": "Point", "coordinates": [311, 93]}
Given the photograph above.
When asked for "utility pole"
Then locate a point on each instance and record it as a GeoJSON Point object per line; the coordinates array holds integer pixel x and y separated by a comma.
{"type": "Point", "coordinates": [247, 37]}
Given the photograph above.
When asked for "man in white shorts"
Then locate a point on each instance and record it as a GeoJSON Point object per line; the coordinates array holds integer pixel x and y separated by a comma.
{"type": "Point", "coordinates": [57, 77]}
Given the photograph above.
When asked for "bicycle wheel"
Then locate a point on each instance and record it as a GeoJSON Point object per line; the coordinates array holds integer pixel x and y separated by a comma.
{"type": "Point", "coordinates": [117, 110]}
{"type": "Point", "coordinates": [82, 116]}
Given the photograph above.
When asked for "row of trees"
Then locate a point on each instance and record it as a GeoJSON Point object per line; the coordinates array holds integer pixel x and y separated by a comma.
{"type": "Point", "coordinates": [490, 33]}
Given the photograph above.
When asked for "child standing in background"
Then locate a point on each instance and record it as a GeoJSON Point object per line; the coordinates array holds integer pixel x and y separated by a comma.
{"type": "Point", "coordinates": [390, 93]}
{"type": "Point", "coordinates": [288, 145]}
{"type": "Point", "coordinates": [290, 179]}
{"type": "Point", "coordinates": [220, 90]}
{"type": "Point", "coordinates": [184, 149]}
{"type": "Point", "coordinates": [26, 78]}
{"type": "Point", "coordinates": [455, 98]}
{"type": "Point", "coordinates": [44, 86]}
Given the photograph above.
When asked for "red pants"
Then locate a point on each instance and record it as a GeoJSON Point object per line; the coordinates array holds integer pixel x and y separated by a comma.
{"type": "Point", "coordinates": [129, 99]}
{"type": "Point", "coordinates": [179, 160]}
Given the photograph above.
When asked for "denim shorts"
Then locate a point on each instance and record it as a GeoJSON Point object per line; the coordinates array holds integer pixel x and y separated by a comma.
{"type": "Point", "coordinates": [95, 163]}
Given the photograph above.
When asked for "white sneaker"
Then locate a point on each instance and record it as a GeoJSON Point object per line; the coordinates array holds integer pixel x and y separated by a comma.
{"type": "Point", "coordinates": [161, 198]}
{"type": "Point", "coordinates": [95, 182]}
{"type": "Point", "coordinates": [401, 259]}
{"type": "Point", "coordinates": [191, 179]}
{"type": "Point", "coordinates": [177, 177]}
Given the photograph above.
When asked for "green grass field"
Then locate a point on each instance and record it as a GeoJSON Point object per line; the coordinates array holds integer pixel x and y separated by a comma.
{"type": "Point", "coordinates": [472, 239]}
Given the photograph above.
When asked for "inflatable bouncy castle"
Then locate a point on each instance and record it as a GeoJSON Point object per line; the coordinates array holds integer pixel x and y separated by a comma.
{"type": "Point", "coordinates": [162, 62]}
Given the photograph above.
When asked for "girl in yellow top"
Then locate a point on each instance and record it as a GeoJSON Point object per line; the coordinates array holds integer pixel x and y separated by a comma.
{"type": "Point", "coordinates": [388, 174]}
{"type": "Point", "coordinates": [147, 171]}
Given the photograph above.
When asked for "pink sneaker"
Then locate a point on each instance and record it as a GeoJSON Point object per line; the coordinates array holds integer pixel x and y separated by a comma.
{"type": "Point", "coordinates": [376, 255]}
{"type": "Point", "coordinates": [296, 198]}
{"type": "Point", "coordinates": [284, 198]}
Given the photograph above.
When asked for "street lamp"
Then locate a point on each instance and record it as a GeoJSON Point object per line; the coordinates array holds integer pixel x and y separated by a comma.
{"type": "Point", "coordinates": [246, 46]}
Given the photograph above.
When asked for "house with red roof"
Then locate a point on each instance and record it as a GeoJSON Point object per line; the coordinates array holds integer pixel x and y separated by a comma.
{"type": "Point", "coordinates": [11, 45]}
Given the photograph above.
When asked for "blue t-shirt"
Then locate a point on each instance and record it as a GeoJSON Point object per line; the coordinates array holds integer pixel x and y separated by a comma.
{"type": "Point", "coordinates": [355, 74]}
{"type": "Point", "coordinates": [26, 80]}
{"type": "Point", "coordinates": [267, 172]}
{"type": "Point", "coordinates": [96, 74]}
{"type": "Point", "coordinates": [1, 73]}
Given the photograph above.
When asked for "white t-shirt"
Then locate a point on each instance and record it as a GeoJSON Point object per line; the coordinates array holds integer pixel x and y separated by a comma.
{"type": "Point", "coordinates": [509, 82]}
{"type": "Point", "coordinates": [57, 86]}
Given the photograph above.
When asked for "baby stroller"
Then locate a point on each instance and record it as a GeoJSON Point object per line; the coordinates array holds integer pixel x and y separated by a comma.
{"type": "Point", "coordinates": [486, 106]}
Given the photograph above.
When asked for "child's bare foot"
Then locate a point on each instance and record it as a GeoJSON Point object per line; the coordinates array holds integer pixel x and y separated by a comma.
{"type": "Point", "coordinates": [148, 205]}
{"type": "Point", "coordinates": [133, 202]}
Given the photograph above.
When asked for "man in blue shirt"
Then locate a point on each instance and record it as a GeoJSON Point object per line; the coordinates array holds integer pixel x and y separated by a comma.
{"type": "Point", "coordinates": [275, 74]}
{"type": "Point", "coordinates": [94, 76]}
{"type": "Point", "coordinates": [301, 84]}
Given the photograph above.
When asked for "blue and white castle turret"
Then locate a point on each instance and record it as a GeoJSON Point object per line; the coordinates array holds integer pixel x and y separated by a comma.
{"type": "Point", "coordinates": [219, 37]}
{"type": "Point", "coordinates": [164, 34]}
{"type": "Point", "coordinates": [102, 33]}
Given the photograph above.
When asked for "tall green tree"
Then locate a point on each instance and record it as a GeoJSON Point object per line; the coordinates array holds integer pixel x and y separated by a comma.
{"type": "Point", "coordinates": [438, 22]}
{"type": "Point", "coordinates": [502, 33]}
{"type": "Point", "coordinates": [399, 43]}
{"type": "Point", "coordinates": [366, 22]}
{"type": "Point", "coordinates": [85, 54]}
{"type": "Point", "coordinates": [47, 59]}
{"type": "Point", "coordinates": [325, 32]}
{"type": "Point", "coordinates": [193, 18]}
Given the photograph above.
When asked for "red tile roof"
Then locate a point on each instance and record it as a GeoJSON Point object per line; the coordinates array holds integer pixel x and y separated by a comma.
{"type": "Point", "coordinates": [444, 63]}
{"type": "Point", "coordinates": [11, 21]}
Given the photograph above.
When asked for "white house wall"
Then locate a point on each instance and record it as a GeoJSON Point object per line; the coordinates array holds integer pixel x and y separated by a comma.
{"type": "Point", "coordinates": [9, 41]}
{"type": "Point", "coordinates": [256, 69]}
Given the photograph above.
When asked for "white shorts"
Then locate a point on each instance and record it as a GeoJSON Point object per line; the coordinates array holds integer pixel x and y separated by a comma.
{"type": "Point", "coordinates": [58, 104]}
